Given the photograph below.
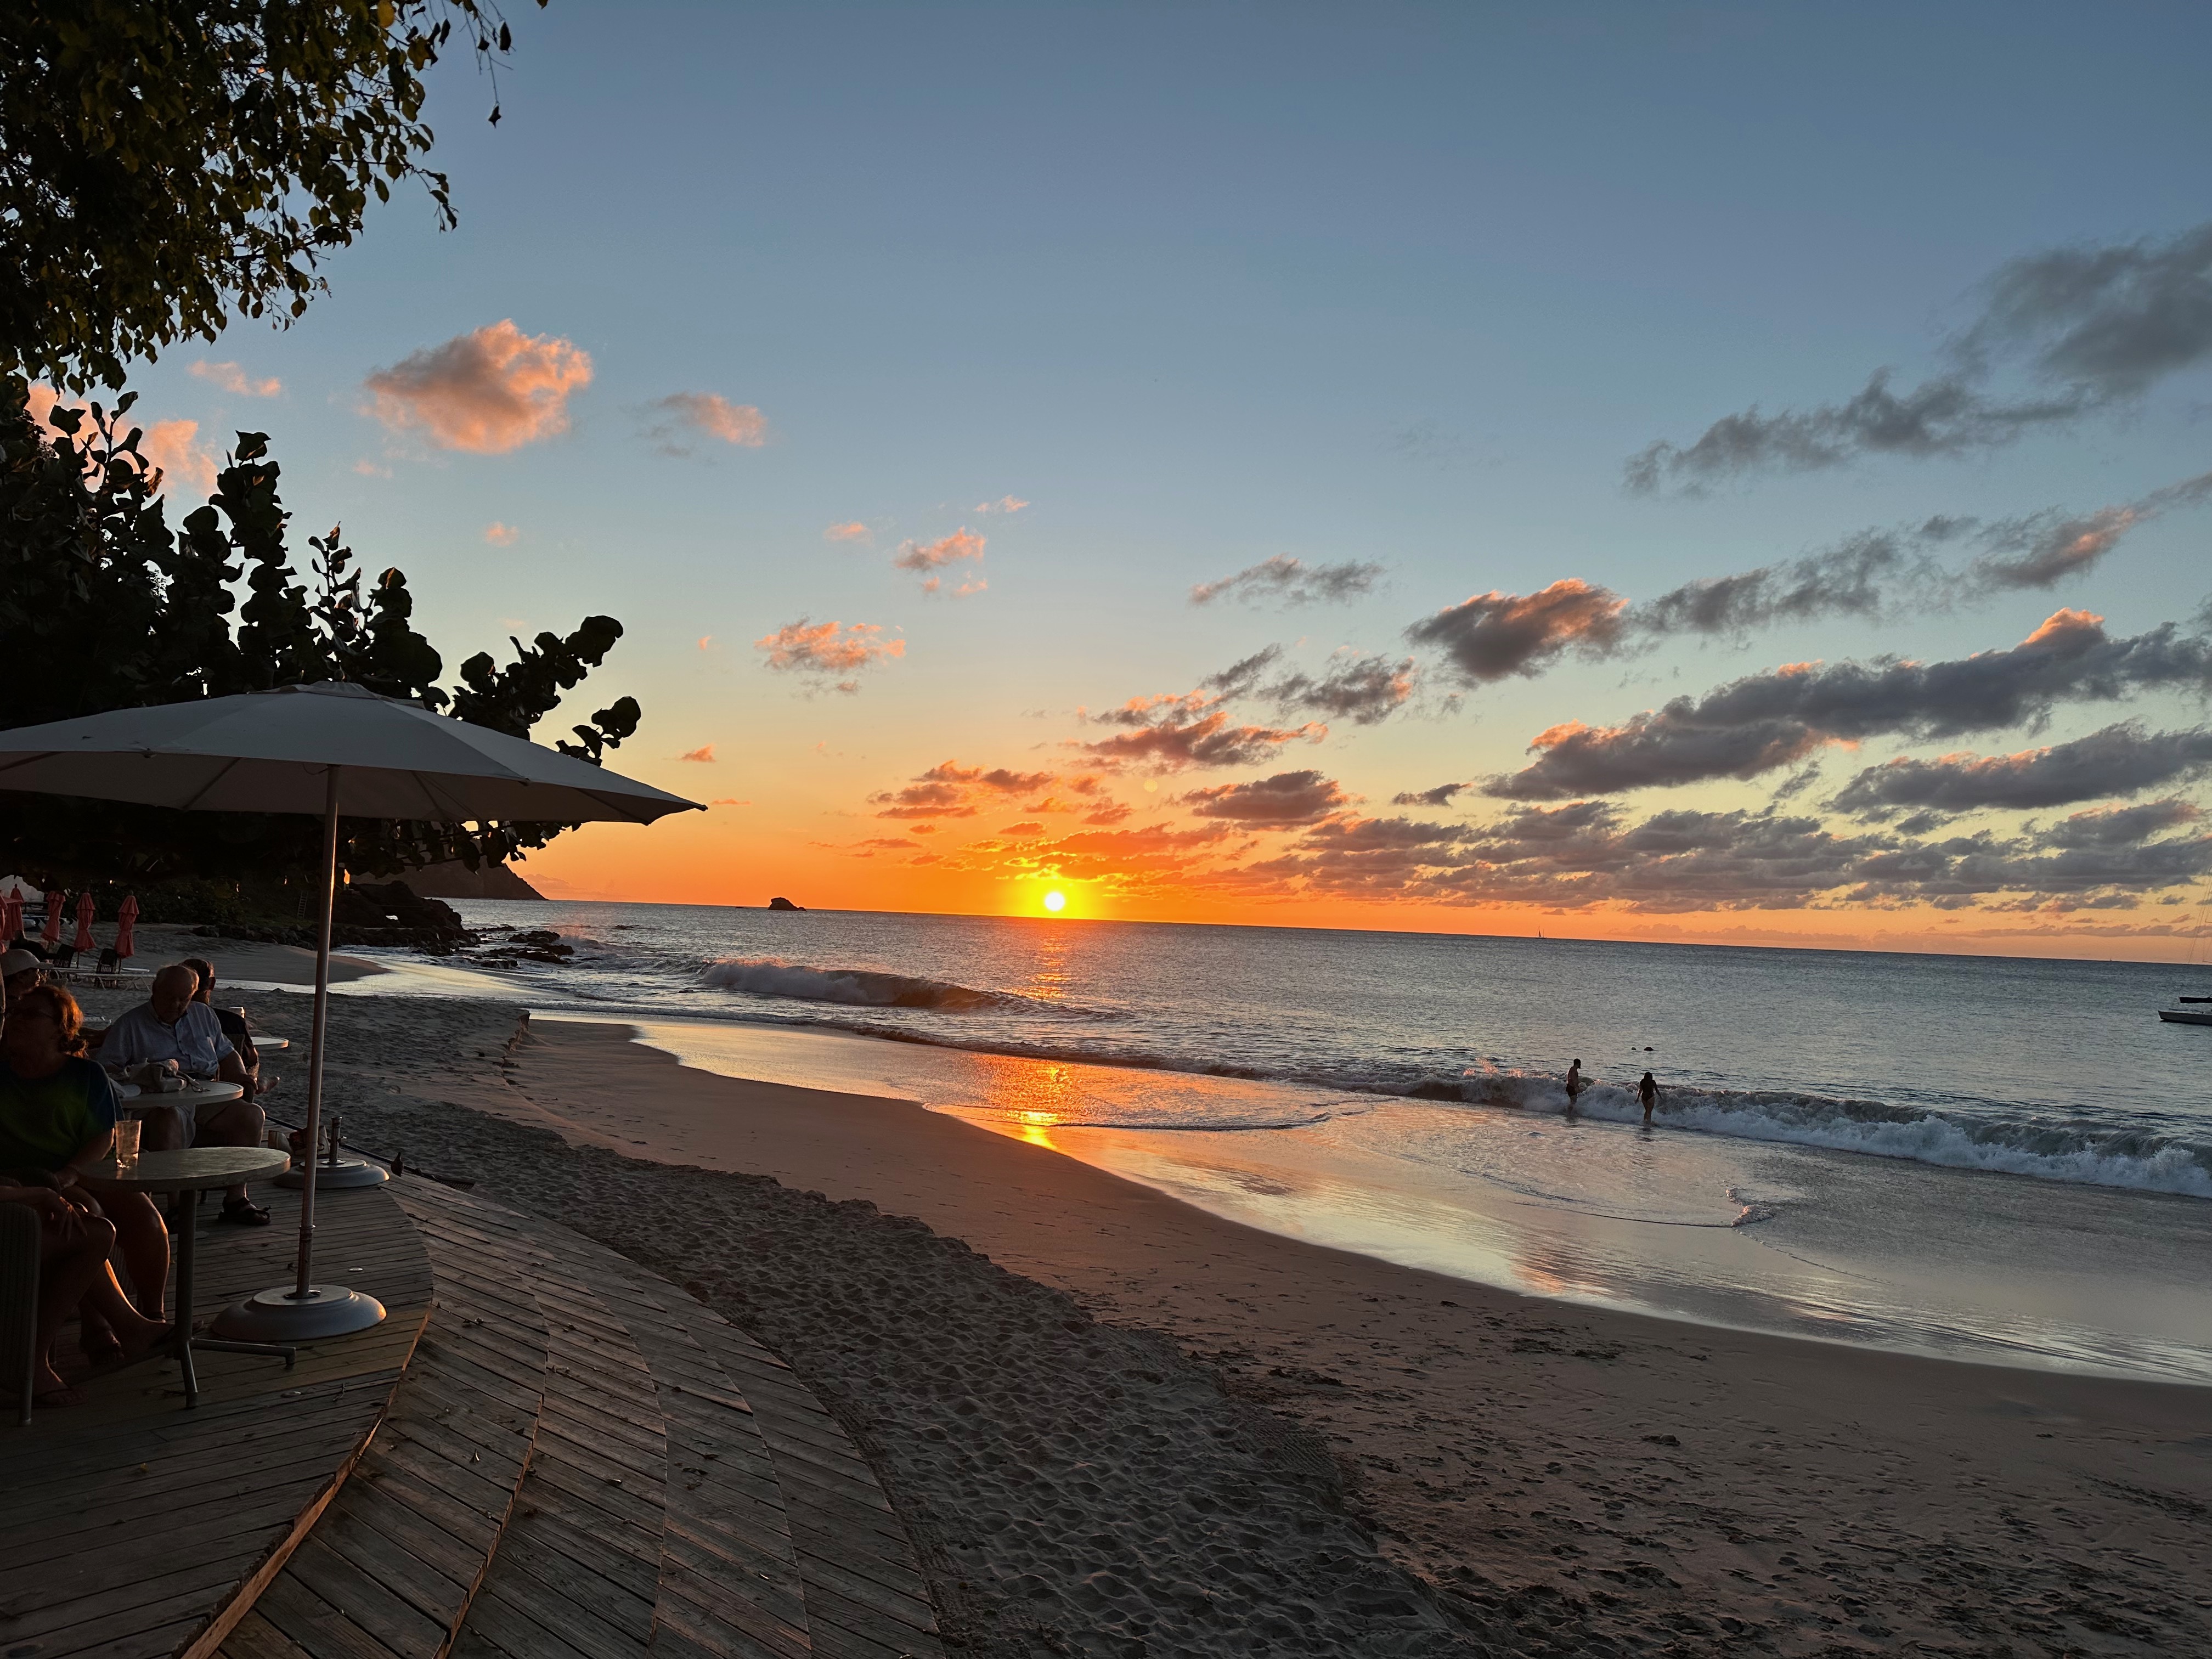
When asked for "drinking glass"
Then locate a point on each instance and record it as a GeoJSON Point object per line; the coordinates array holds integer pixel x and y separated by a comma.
{"type": "Point", "coordinates": [126, 1142]}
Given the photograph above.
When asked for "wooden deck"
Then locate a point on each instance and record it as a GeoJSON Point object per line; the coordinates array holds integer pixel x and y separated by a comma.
{"type": "Point", "coordinates": [547, 1453]}
{"type": "Point", "coordinates": [128, 1523]}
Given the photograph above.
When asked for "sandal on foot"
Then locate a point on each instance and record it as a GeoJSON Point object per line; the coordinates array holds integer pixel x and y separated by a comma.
{"type": "Point", "coordinates": [101, 1347]}
{"type": "Point", "coordinates": [243, 1213]}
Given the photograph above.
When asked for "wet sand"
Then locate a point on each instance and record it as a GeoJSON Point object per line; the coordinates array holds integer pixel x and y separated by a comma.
{"type": "Point", "coordinates": [1127, 1426]}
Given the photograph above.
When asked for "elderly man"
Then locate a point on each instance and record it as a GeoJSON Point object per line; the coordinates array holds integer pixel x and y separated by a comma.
{"type": "Point", "coordinates": [170, 1025]}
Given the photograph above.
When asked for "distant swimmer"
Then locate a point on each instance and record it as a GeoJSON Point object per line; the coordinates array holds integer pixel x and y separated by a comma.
{"type": "Point", "coordinates": [1648, 1092]}
{"type": "Point", "coordinates": [1575, 1086]}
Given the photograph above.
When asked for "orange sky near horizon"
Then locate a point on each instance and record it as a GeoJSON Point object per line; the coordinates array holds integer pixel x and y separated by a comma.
{"type": "Point", "coordinates": [691, 858]}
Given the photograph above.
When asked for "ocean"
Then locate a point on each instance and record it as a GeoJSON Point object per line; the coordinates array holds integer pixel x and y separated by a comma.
{"type": "Point", "coordinates": [1982, 1158]}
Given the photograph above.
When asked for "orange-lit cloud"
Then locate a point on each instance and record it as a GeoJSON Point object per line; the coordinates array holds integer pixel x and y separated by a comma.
{"type": "Point", "coordinates": [232, 379]}
{"type": "Point", "coordinates": [962, 543]}
{"type": "Point", "coordinates": [1004, 504]}
{"type": "Point", "coordinates": [704, 754]}
{"type": "Point", "coordinates": [172, 446]}
{"type": "Point", "coordinates": [824, 651]}
{"type": "Point", "coordinates": [677, 419]}
{"type": "Point", "coordinates": [852, 531]}
{"type": "Point", "coordinates": [1168, 742]}
{"type": "Point", "coordinates": [484, 392]}
{"type": "Point", "coordinates": [949, 789]}
{"type": "Point", "coordinates": [1287, 797]}
{"type": "Point", "coordinates": [729, 800]}
{"type": "Point", "coordinates": [501, 535]}
{"type": "Point", "coordinates": [169, 447]}
{"type": "Point", "coordinates": [706, 641]}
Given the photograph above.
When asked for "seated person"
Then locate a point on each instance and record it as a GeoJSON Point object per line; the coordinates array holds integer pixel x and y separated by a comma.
{"type": "Point", "coordinates": [74, 1242]}
{"type": "Point", "coordinates": [170, 1026]}
{"type": "Point", "coordinates": [20, 970]}
{"type": "Point", "coordinates": [57, 1118]}
{"type": "Point", "coordinates": [234, 1027]}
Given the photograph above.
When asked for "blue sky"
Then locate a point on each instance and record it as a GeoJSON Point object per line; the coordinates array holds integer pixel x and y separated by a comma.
{"type": "Point", "coordinates": [1204, 285]}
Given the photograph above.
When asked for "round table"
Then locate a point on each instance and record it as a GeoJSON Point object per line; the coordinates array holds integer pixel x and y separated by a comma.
{"type": "Point", "coordinates": [193, 1170]}
{"type": "Point", "coordinates": [212, 1092]}
{"type": "Point", "coordinates": [269, 1045]}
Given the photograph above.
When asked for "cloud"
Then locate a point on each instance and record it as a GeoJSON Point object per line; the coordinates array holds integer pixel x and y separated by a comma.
{"type": "Point", "coordinates": [704, 754]}
{"type": "Point", "coordinates": [168, 447]}
{"type": "Point", "coordinates": [821, 651]}
{"type": "Point", "coordinates": [232, 379]}
{"type": "Point", "coordinates": [1763, 721]}
{"type": "Point", "coordinates": [1363, 689]}
{"type": "Point", "coordinates": [1287, 797]}
{"type": "Point", "coordinates": [729, 800]}
{"type": "Point", "coordinates": [706, 641]}
{"type": "Point", "coordinates": [501, 535]}
{"type": "Point", "coordinates": [1588, 853]}
{"type": "Point", "coordinates": [1873, 575]}
{"type": "Point", "coordinates": [2120, 760]}
{"type": "Point", "coordinates": [1027, 826]}
{"type": "Point", "coordinates": [1861, 576]}
{"type": "Point", "coordinates": [369, 469]}
{"type": "Point", "coordinates": [1442, 795]}
{"type": "Point", "coordinates": [1004, 504]}
{"type": "Point", "coordinates": [2097, 326]}
{"type": "Point", "coordinates": [171, 445]}
{"type": "Point", "coordinates": [853, 531]}
{"type": "Point", "coordinates": [962, 543]}
{"type": "Point", "coordinates": [1172, 742]}
{"type": "Point", "coordinates": [485, 393]}
{"type": "Point", "coordinates": [1286, 582]}
{"type": "Point", "coordinates": [949, 789]}
{"type": "Point", "coordinates": [1495, 635]}
{"type": "Point", "coordinates": [675, 422]}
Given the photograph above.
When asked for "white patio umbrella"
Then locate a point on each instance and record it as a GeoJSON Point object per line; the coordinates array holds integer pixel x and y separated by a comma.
{"type": "Point", "coordinates": [334, 750]}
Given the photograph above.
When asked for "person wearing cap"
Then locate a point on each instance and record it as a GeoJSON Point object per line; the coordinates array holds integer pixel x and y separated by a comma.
{"type": "Point", "coordinates": [169, 1025]}
{"type": "Point", "coordinates": [19, 970]}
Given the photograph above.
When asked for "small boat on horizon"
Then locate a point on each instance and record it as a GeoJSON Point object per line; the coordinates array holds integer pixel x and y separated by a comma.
{"type": "Point", "coordinates": [2200, 1014]}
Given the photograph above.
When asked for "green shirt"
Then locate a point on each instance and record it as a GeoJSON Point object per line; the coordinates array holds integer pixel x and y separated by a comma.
{"type": "Point", "coordinates": [46, 1121]}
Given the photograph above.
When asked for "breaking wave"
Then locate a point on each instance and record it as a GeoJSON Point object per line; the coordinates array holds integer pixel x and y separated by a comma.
{"type": "Point", "coordinates": [2079, 1150]}
{"type": "Point", "coordinates": [853, 988]}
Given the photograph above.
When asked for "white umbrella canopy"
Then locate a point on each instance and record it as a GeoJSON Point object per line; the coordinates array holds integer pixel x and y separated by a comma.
{"type": "Point", "coordinates": [332, 751]}
{"type": "Point", "coordinates": [270, 751]}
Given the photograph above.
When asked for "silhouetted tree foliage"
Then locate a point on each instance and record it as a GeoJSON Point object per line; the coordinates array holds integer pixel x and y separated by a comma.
{"type": "Point", "coordinates": [103, 605]}
{"type": "Point", "coordinates": [163, 162]}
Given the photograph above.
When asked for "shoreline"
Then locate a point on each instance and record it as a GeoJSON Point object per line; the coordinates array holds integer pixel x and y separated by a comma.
{"type": "Point", "coordinates": [1543, 1473]}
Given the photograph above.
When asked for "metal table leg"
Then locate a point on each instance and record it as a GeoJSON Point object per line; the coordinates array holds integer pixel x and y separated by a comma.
{"type": "Point", "coordinates": [187, 1231]}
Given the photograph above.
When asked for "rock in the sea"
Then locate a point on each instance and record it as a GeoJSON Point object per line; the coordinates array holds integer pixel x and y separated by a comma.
{"type": "Point", "coordinates": [784, 905]}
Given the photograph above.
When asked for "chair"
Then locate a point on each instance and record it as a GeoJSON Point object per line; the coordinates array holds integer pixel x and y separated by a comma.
{"type": "Point", "coordinates": [108, 961]}
{"type": "Point", "coordinates": [19, 1300]}
{"type": "Point", "coordinates": [62, 955]}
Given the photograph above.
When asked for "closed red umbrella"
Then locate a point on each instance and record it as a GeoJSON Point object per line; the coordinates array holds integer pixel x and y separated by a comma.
{"type": "Point", "coordinates": [83, 941]}
{"type": "Point", "coordinates": [11, 915]}
{"type": "Point", "coordinates": [52, 934]}
{"type": "Point", "coordinates": [126, 925]}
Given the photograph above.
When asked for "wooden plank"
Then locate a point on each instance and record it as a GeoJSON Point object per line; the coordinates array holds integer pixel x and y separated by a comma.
{"type": "Point", "coordinates": [367, 1604]}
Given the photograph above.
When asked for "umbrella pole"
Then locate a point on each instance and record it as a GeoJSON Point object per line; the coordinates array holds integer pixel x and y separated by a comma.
{"type": "Point", "coordinates": [303, 1311]}
{"type": "Point", "coordinates": [330, 896]}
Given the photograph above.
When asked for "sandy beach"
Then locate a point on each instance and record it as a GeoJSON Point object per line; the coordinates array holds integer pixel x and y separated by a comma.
{"type": "Point", "coordinates": [1120, 1425]}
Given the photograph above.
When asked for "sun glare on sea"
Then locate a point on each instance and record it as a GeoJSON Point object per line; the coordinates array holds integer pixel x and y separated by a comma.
{"type": "Point", "coordinates": [1055, 902]}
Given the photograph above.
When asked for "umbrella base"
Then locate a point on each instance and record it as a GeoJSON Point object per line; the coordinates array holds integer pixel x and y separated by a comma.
{"type": "Point", "coordinates": [279, 1316]}
{"type": "Point", "coordinates": [331, 1177]}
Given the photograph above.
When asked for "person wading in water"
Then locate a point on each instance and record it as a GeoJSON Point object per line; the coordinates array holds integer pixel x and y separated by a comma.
{"type": "Point", "coordinates": [1648, 1092]}
{"type": "Point", "coordinates": [1576, 1087]}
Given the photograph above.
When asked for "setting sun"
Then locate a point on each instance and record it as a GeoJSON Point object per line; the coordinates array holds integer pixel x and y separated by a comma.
{"type": "Point", "coordinates": [1055, 902]}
